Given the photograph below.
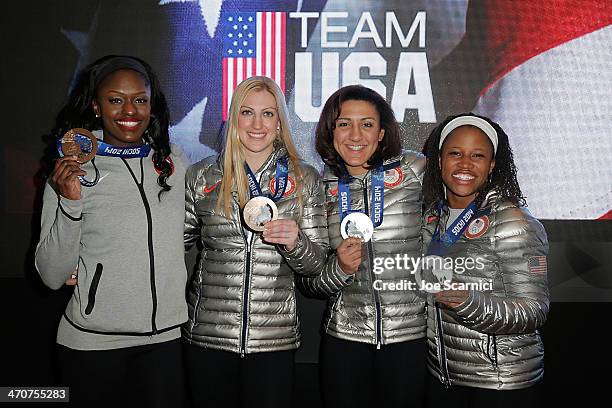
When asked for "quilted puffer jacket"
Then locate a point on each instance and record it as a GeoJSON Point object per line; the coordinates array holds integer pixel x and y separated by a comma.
{"type": "Point", "coordinates": [356, 310]}
{"type": "Point", "coordinates": [242, 297]}
{"type": "Point", "coordinates": [491, 340]}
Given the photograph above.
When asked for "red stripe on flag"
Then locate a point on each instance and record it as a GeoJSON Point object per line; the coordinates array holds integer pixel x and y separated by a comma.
{"type": "Point", "coordinates": [224, 105]}
{"type": "Point", "coordinates": [606, 216]}
{"type": "Point", "coordinates": [264, 50]}
{"type": "Point", "coordinates": [244, 68]}
{"type": "Point", "coordinates": [273, 48]}
{"type": "Point", "coordinates": [515, 31]}
{"type": "Point", "coordinates": [283, 45]}
{"type": "Point", "coordinates": [235, 70]}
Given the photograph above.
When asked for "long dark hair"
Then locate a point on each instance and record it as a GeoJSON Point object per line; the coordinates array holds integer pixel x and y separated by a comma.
{"type": "Point", "coordinates": [503, 178]}
{"type": "Point", "coordinates": [388, 147]}
{"type": "Point", "coordinates": [78, 111]}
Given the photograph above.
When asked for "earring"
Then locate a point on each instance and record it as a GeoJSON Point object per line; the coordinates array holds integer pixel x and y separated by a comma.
{"type": "Point", "coordinates": [97, 115]}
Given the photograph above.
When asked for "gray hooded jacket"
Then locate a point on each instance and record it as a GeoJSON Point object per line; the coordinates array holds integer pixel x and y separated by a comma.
{"type": "Point", "coordinates": [127, 245]}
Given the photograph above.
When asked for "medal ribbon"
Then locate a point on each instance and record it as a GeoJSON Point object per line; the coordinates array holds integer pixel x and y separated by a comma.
{"type": "Point", "coordinates": [440, 244]}
{"type": "Point", "coordinates": [105, 149]}
{"type": "Point", "coordinates": [282, 174]}
{"type": "Point", "coordinates": [378, 196]}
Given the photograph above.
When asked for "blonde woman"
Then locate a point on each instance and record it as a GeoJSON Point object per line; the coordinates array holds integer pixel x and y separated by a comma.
{"type": "Point", "coordinates": [243, 326]}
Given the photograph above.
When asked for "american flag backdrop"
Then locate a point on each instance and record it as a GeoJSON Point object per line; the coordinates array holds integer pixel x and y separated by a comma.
{"type": "Point", "coordinates": [253, 44]}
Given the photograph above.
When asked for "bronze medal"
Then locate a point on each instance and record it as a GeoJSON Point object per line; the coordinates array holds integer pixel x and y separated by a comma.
{"type": "Point", "coordinates": [258, 211]}
{"type": "Point", "coordinates": [81, 143]}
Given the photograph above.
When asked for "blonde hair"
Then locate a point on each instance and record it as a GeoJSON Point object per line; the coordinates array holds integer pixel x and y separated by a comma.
{"type": "Point", "coordinates": [234, 158]}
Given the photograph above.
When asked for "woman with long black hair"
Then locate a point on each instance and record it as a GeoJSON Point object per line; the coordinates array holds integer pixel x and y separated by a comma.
{"type": "Point", "coordinates": [117, 220]}
{"type": "Point", "coordinates": [484, 345]}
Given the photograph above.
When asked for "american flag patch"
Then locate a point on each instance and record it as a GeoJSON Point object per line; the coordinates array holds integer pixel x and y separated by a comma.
{"type": "Point", "coordinates": [253, 44]}
{"type": "Point", "coordinates": [537, 265]}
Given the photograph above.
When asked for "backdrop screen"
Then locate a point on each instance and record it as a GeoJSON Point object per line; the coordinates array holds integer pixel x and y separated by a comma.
{"type": "Point", "coordinates": [539, 69]}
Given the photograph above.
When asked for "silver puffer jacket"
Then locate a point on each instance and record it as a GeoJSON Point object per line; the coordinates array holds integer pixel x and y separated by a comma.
{"type": "Point", "coordinates": [491, 340]}
{"type": "Point", "coordinates": [242, 297]}
{"type": "Point", "coordinates": [355, 310]}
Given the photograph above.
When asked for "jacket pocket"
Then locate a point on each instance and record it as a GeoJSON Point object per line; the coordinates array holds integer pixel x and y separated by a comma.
{"type": "Point", "coordinates": [91, 298]}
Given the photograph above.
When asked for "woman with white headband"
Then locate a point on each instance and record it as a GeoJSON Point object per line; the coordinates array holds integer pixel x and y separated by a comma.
{"type": "Point", "coordinates": [483, 322]}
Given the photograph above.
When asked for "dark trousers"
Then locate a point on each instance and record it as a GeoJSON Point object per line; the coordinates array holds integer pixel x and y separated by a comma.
{"type": "Point", "coordinates": [144, 376]}
{"type": "Point", "coordinates": [469, 397]}
{"type": "Point", "coordinates": [357, 374]}
{"type": "Point", "coordinates": [223, 379]}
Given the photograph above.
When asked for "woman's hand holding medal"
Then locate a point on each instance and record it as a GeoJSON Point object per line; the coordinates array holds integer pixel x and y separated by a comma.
{"type": "Point", "coordinates": [282, 232]}
{"type": "Point", "coordinates": [452, 298]}
{"type": "Point", "coordinates": [349, 255]}
{"type": "Point", "coordinates": [65, 177]}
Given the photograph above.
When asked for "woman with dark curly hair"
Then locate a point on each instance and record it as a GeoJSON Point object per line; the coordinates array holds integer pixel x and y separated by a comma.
{"type": "Point", "coordinates": [117, 220]}
{"type": "Point", "coordinates": [373, 348]}
{"type": "Point", "coordinates": [483, 322]}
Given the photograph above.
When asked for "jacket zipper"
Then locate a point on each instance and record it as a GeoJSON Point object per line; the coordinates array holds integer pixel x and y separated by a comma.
{"type": "Point", "coordinates": [245, 294]}
{"type": "Point", "coordinates": [441, 349]}
{"type": "Point", "coordinates": [247, 285]}
{"type": "Point", "coordinates": [492, 349]}
{"type": "Point", "coordinates": [378, 317]}
{"type": "Point", "coordinates": [197, 305]}
{"type": "Point", "coordinates": [149, 240]}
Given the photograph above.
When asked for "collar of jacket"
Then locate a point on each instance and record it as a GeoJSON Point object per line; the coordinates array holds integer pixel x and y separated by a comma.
{"type": "Point", "coordinates": [268, 164]}
{"type": "Point", "coordinates": [278, 152]}
{"type": "Point", "coordinates": [488, 201]}
{"type": "Point", "coordinates": [329, 176]}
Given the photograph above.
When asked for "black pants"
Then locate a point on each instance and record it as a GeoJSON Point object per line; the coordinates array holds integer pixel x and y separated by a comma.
{"type": "Point", "coordinates": [358, 375]}
{"type": "Point", "coordinates": [223, 379]}
{"type": "Point", "coordinates": [142, 376]}
{"type": "Point", "coordinates": [469, 397]}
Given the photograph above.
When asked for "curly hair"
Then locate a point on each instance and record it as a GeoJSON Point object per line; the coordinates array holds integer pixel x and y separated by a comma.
{"type": "Point", "coordinates": [78, 112]}
{"type": "Point", "coordinates": [503, 178]}
{"type": "Point", "coordinates": [388, 147]}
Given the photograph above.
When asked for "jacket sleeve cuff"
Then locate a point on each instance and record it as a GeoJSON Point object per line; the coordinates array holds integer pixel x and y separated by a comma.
{"type": "Point", "coordinates": [72, 209]}
{"type": "Point", "coordinates": [301, 247]}
{"type": "Point", "coordinates": [341, 275]}
{"type": "Point", "coordinates": [470, 306]}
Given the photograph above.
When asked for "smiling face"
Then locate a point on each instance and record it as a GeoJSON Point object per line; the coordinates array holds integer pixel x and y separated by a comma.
{"type": "Point", "coordinates": [123, 101]}
{"type": "Point", "coordinates": [257, 124]}
{"type": "Point", "coordinates": [466, 160]}
{"type": "Point", "coordinates": [357, 134]}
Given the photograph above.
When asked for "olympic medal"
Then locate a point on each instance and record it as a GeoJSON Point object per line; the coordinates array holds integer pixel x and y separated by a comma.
{"type": "Point", "coordinates": [258, 211]}
{"type": "Point", "coordinates": [80, 143]}
{"type": "Point", "coordinates": [432, 274]}
{"type": "Point", "coordinates": [358, 225]}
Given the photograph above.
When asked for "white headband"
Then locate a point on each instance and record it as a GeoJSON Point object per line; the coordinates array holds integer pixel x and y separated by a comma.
{"type": "Point", "coordinates": [473, 121]}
